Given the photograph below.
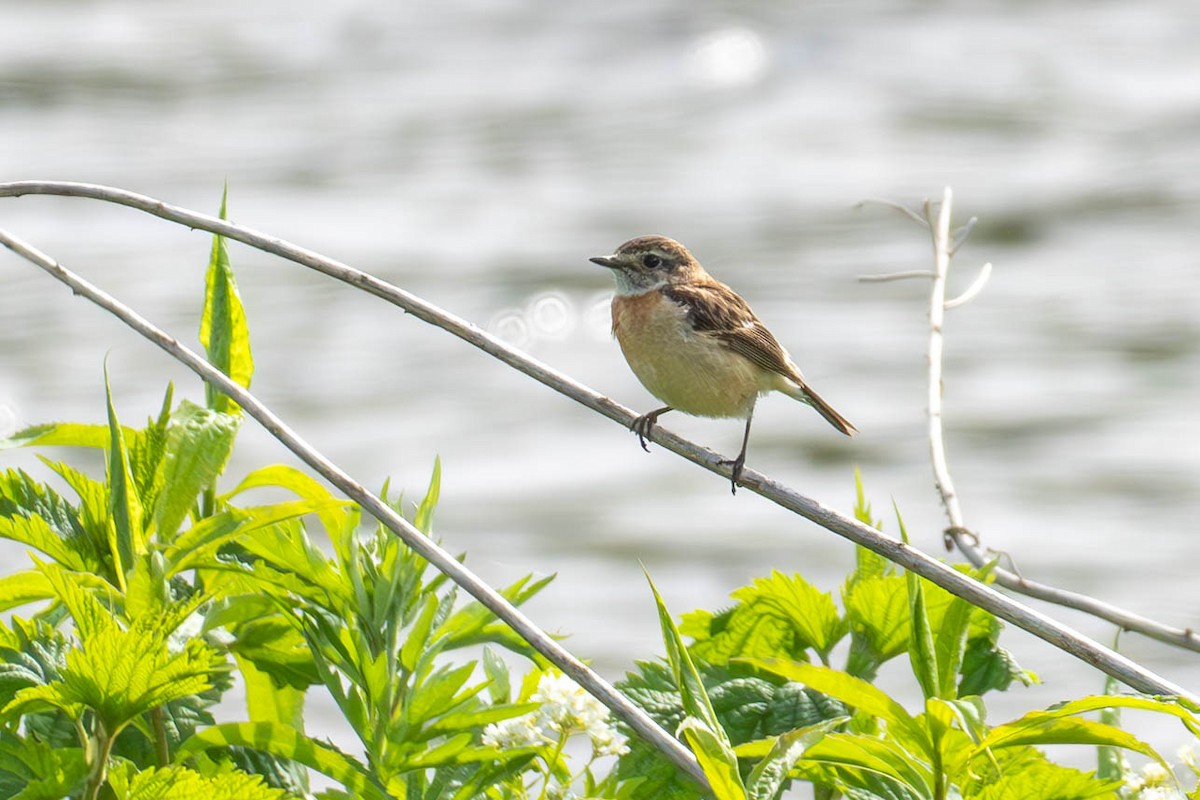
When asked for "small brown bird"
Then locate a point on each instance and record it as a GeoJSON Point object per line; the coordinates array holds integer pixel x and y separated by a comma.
{"type": "Point", "coordinates": [694, 343]}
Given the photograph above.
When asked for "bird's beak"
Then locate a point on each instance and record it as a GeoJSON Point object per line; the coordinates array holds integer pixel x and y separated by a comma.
{"type": "Point", "coordinates": [606, 261]}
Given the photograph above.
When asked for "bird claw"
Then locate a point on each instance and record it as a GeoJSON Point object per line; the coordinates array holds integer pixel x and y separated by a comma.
{"type": "Point", "coordinates": [644, 424]}
{"type": "Point", "coordinates": [642, 427]}
{"type": "Point", "coordinates": [737, 466]}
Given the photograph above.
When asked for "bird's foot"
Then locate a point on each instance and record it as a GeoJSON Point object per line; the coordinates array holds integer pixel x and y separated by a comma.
{"type": "Point", "coordinates": [644, 424]}
{"type": "Point", "coordinates": [736, 465]}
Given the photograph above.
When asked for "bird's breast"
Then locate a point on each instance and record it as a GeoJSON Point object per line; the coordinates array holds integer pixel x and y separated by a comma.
{"type": "Point", "coordinates": [688, 370]}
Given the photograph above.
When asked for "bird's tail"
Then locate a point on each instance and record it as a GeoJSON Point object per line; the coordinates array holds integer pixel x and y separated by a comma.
{"type": "Point", "coordinates": [804, 394]}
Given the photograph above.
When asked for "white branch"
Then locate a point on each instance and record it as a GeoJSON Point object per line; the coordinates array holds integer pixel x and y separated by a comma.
{"type": "Point", "coordinates": [966, 541]}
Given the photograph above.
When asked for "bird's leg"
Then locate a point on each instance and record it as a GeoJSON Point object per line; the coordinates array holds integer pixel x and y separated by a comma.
{"type": "Point", "coordinates": [645, 423]}
{"type": "Point", "coordinates": [738, 463]}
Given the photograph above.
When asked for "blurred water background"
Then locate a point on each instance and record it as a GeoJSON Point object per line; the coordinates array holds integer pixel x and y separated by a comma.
{"type": "Point", "coordinates": [477, 153]}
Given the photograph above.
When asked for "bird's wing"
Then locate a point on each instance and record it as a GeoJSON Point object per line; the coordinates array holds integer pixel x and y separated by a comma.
{"type": "Point", "coordinates": [716, 310]}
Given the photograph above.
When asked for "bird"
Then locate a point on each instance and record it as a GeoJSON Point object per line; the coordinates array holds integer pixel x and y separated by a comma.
{"type": "Point", "coordinates": [695, 344]}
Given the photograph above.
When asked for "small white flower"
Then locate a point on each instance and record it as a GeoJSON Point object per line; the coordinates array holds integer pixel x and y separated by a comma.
{"type": "Point", "coordinates": [519, 731]}
{"type": "Point", "coordinates": [567, 708]}
{"type": "Point", "coordinates": [1159, 793]}
{"type": "Point", "coordinates": [604, 741]}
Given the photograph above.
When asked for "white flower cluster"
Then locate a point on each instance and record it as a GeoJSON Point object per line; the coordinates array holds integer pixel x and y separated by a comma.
{"type": "Point", "coordinates": [1153, 783]}
{"type": "Point", "coordinates": [566, 709]}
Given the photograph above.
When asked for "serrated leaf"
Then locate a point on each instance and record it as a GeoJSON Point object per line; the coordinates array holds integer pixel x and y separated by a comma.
{"type": "Point", "coordinates": [223, 330]}
{"type": "Point", "coordinates": [35, 515]}
{"type": "Point", "coordinates": [855, 693]}
{"type": "Point", "coordinates": [121, 674]}
{"type": "Point", "coordinates": [440, 694]}
{"type": "Point", "coordinates": [877, 610]}
{"type": "Point", "coordinates": [180, 783]}
{"type": "Point", "coordinates": [286, 742]}
{"type": "Point", "coordinates": [778, 616]}
{"type": "Point", "coordinates": [418, 640]}
{"type": "Point", "coordinates": [1039, 778]}
{"type": "Point", "coordinates": [198, 444]}
{"type": "Point", "coordinates": [497, 672]}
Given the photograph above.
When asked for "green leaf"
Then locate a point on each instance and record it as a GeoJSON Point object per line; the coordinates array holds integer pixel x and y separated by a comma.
{"type": "Point", "coordinates": [695, 699]}
{"type": "Point", "coordinates": [778, 616]}
{"type": "Point", "coordinates": [499, 682]}
{"type": "Point", "coordinates": [770, 775]}
{"type": "Point", "coordinates": [78, 591]}
{"type": "Point", "coordinates": [287, 742]}
{"type": "Point", "coordinates": [877, 611]}
{"type": "Point", "coordinates": [23, 587]}
{"type": "Point", "coordinates": [716, 759]}
{"type": "Point", "coordinates": [122, 674]}
{"type": "Point", "coordinates": [35, 770]}
{"type": "Point", "coordinates": [439, 695]}
{"type": "Point", "coordinates": [180, 783]}
{"type": "Point", "coordinates": [127, 537]}
{"type": "Point", "coordinates": [423, 519]}
{"type": "Point", "coordinates": [418, 641]}
{"type": "Point", "coordinates": [196, 546]}
{"type": "Point", "coordinates": [223, 330]}
{"type": "Point", "coordinates": [1023, 773]}
{"type": "Point", "coordinates": [269, 701]}
{"type": "Point", "coordinates": [1039, 728]}
{"type": "Point", "coordinates": [920, 643]}
{"type": "Point", "coordinates": [856, 693]}
{"type": "Point", "coordinates": [853, 759]}
{"type": "Point", "coordinates": [198, 444]}
{"type": "Point", "coordinates": [301, 484]}
{"type": "Point", "coordinates": [266, 640]}
{"type": "Point", "coordinates": [62, 434]}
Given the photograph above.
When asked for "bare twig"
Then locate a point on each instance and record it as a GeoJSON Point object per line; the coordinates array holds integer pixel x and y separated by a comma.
{"type": "Point", "coordinates": [1042, 626]}
{"type": "Point", "coordinates": [937, 313]}
{"type": "Point", "coordinates": [975, 288]}
{"type": "Point", "coordinates": [637, 719]}
{"type": "Point", "coordinates": [966, 541]}
{"type": "Point", "coordinates": [896, 276]}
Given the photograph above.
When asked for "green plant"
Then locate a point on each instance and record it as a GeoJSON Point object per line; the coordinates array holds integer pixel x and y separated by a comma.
{"type": "Point", "coordinates": [152, 590]}
{"type": "Point", "coordinates": [755, 696]}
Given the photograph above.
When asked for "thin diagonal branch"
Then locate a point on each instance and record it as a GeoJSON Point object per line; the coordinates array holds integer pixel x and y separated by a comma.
{"type": "Point", "coordinates": [1035, 622]}
{"type": "Point", "coordinates": [633, 716]}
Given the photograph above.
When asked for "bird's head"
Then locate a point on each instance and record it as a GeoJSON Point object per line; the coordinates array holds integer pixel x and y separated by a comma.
{"type": "Point", "coordinates": [650, 262]}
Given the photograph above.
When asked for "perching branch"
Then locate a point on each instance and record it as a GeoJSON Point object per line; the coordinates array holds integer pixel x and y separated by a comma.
{"type": "Point", "coordinates": [963, 538]}
{"type": "Point", "coordinates": [633, 716]}
{"type": "Point", "coordinates": [1052, 631]}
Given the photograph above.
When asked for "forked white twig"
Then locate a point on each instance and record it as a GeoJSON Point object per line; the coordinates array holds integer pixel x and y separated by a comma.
{"type": "Point", "coordinates": [968, 543]}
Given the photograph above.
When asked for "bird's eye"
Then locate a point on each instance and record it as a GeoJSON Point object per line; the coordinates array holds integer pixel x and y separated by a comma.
{"type": "Point", "coordinates": [650, 261]}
